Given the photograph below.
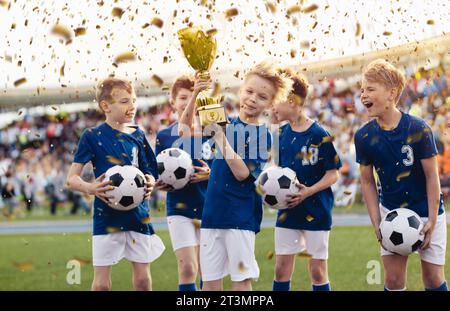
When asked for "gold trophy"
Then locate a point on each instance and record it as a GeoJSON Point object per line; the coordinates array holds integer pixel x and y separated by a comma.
{"type": "Point", "coordinates": [200, 51]}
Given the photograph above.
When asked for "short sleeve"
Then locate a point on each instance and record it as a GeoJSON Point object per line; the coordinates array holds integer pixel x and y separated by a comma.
{"type": "Point", "coordinates": [328, 154]}
{"type": "Point", "coordinates": [84, 152]}
{"type": "Point", "coordinates": [426, 146]}
{"type": "Point", "coordinates": [362, 155]}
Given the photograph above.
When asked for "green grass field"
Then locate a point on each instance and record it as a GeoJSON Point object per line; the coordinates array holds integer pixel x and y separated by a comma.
{"type": "Point", "coordinates": [38, 262]}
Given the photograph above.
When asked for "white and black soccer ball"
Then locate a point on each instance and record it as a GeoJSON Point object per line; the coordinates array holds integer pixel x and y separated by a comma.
{"type": "Point", "coordinates": [400, 231]}
{"type": "Point", "coordinates": [275, 184]}
{"type": "Point", "coordinates": [175, 167]}
{"type": "Point", "coordinates": [129, 187]}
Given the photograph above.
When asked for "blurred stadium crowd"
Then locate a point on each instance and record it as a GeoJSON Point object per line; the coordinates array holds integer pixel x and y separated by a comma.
{"type": "Point", "coordinates": [35, 152]}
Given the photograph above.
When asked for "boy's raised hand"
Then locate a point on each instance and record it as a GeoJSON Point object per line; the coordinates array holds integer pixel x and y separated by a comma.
{"type": "Point", "coordinates": [149, 184]}
{"type": "Point", "coordinates": [163, 187]}
{"type": "Point", "coordinates": [201, 173]}
{"type": "Point", "coordinates": [201, 84]}
{"type": "Point", "coordinates": [99, 187]}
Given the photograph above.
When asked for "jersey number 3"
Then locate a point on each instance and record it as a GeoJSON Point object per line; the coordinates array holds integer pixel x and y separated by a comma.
{"type": "Point", "coordinates": [409, 155]}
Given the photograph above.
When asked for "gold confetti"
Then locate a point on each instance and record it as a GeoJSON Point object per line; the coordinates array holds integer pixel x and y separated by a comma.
{"type": "Point", "coordinates": [293, 9]}
{"type": "Point", "coordinates": [23, 266]}
{"type": "Point", "coordinates": [313, 49]}
{"type": "Point", "coordinates": [156, 21]}
{"type": "Point", "coordinates": [157, 80]}
{"type": "Point", "coordinates": [127, 56]}
{"type": "Point", "coordinates": [404, 204]}
{"type": "Point", "coordinates": [82, 261]}
{"type": "Point", "coordinates": [336, 159]}
{"type": "Point", "coordinates": [231, 12]}
{"type": "Point", "coordinates": [113, 229]}
{"type": "Point", "coordinates": [430, 22]}
{"type": "Point", "coordinates": [358, 30]}
{"type": "Point", "coordinates": [4, 3]}
{"type": "Point", "coordinates": [327, 139]}
{"type": "Point", "coordinates": [114, 160]}
{"type": "Point", "coordinates": [81, 31]}
{"type": "Point", "coordinates": [61, 70]}
{"type": "Point", "coordinates": [271, 7]}
{"type": "Point", "coordinates": [309, 218]}
{"type": "Point", "coordinates": [347, 192]}
{"type": "Point", "coordinates": [259, 190]}
{"type": "Point", "coordinates": [197, 224]}
{"type": "Point", "coordinates": [146, 220]}
{"type": "Point", "coordinates": [20, 112]}
{"type": "Point", "coordinates": [62, 31]}
{"type": "Point", "coordinates": [403, 175]}
{"type": "Point", "coordinates": [211, 32]}
{"type": "Point", "coordinates": [269, 255]}
{"type": "Point", "coordinates": [310, 8]}
{"type": "Point", "coordinates": [242, 267]}
{"type": "Point", "coordinates": [282, 217]}
{"type": "Point", "coordinates": [20, 82]}
{"type": "Point", "coordinates": [180, 205]}
{"type": "Point", "coordinates": [304, 255]}
{"type": "Point", "coordinates": [387, 33]}
{"type": "Point", "coordinates": [54, 108]}
{"type": "Point", "coordinates": [117, 12]}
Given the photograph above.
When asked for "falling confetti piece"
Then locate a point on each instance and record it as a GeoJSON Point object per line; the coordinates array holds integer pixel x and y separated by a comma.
{"type": "Point", "coordinates": [114, 160]}
{"type": "Point", "coordinates": [403, 175]}
{"type": "Point", "coordinates": [61, 70]}
{"type": "Point", "coordinates": [113, 229]}
{"type": "Point", "coordinates": [117, 12]}
{"type": "Point", "coordinates": [4, 3]}
{"type": "Point", "coordinates": [23, 266]}
{"type": "Point", "coordinates": [293, 9]}
{"type": "Point", "coordinates": [242, 267]}
{"type": "Point", "coordinates": [259, 190]}
{"type": "Point", "coordinates": [81, 31]}
{"type": "Point", "coordinates": [124, 57]}
{"type": "Point", "coordinates": [180, 205]}
{"type": "Point", "coordinates": [309, 218]}
{"type": "Point", "coordinates": [231, 12]}
{"type": "Point", "coordinates": [310, 8]}
{"type": "Point", "coordinates": [347, 192]}
{"type": "Point", "coordinates": [271, 7]}
{"type": "Point", "coordinates": [304, 255]}
{"type": "Point", "coordinates": [358, 30]}
{"type": "Point", "coordinates": [156, 21]}
{"type": "Point", "coordinates": [327, 139]}
{"type": "Point", "coordinates": [197, 224]}
{"type": "Point", "coordinates": [20, 82]}
{"type": "Point", "coordinates": [336, 159]}
{"type": "Point", "coordinates": [404, 204]}
{"type": "Point", "coordinates": [157, 80]}
{"type": "Point", "coordinates": [430, 22]}
{"type": "Point", "coordinates": [20, 112]}
{"type": "Point", "coordinates": [146, 220]}
{"type": "Point", "coordinates": [211, 32]}
{"type": "Point", "coordinates": [62, 31]}
{"type": "Point", "coordinates": [387, 33]}
{"type": "Point", "coordinates": [282, 217]}
{"type": "Point", "coordinates": [269, 255]}
{"type": "Point", "coordinates": [54, 108]}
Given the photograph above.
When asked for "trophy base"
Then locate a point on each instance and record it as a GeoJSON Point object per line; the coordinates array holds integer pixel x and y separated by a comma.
{"type": "Point", "coordinates": [212, 114]}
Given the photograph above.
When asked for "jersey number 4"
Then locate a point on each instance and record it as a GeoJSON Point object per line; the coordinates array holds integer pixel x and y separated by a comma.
{"type": "Point", "coordinates": [409, 155]}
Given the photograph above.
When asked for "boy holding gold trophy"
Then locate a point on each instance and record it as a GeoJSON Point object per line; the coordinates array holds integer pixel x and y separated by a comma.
{"type": "Point", "coordinates": [232, 211]}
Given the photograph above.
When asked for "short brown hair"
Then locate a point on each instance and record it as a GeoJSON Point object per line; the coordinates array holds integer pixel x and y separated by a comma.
{"type": "Point", "coordinates": [380, 71]}
{"type": "Point", "coordinates": [267, 71]}
{"type": "Point", "coordinates": [105, 87]}
{"type": "Point", "coordinates": [300, 84]}
{"type": "Point", "coordinates": [183, 82]}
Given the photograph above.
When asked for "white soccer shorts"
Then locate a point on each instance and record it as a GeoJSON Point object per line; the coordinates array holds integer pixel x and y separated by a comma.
{"type": "Point", "coordinates": [292, 241]}
{"type": "Point", "coordinates": [228, 252]}
{"type": "Point", "coordinates": [183, 232]}
{"type": "Point", "coordinates": [109, 249]}
{"type": "Point", "coordinates": [435, 253]}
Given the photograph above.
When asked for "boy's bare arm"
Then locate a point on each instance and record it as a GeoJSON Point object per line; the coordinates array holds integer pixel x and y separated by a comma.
{"type": "Point", "coordinates": [98, 187]}
{"type": "Point", "coordinates": [370, 194]}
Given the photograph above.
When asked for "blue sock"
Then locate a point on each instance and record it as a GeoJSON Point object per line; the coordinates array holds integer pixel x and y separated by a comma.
{"type": "Point", "coordinates": [187, 287]}
{"type": "Point", "coordinates": [281, 286]}
{"type": "Point", "coordinates": [322, 288]}
{"type": "Point", "coordinates": [442, 288]}
{"type": "Point", "coordinates": [201, 284]}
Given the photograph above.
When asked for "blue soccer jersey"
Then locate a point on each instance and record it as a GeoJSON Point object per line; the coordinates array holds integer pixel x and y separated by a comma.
{"type": "Point", "coordinates": [105, 147]}
{"type": "Point", "coordinates": [309, 154]}
{"type": "Point", "coordinates": [189, 200]}
{"type": "Point", "coordinates": [396, 156]}
{"type": "Point", "coordinates": [233, 204]}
